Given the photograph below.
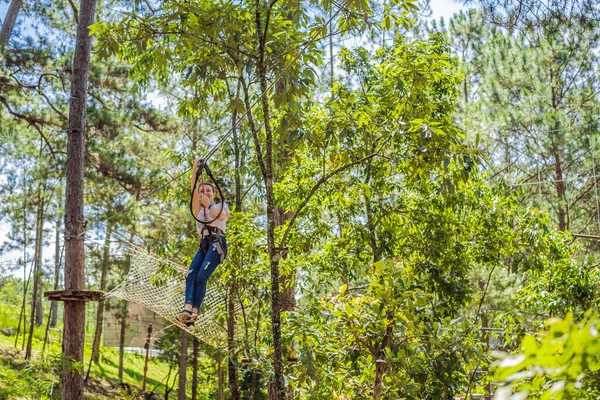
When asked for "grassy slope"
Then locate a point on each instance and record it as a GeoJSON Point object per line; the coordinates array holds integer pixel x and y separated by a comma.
{"type": "Point", "coordinates": [40, 378]}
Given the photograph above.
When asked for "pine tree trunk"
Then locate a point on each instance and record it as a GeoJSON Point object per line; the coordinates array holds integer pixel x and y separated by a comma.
{"type": "Point", "coordinates": [561, 190]}
{"type": "Point", "coordinates": [9, 22]}
{"type": "Point", "coordinates": [103, 278]}
{"type": "Point", "coordinates": [39, 310]}
{"type": "Point", "coordinates": [57, 260]}
{"type": "Point", "coordinates": [39, 320]}
{"type": "Point", "coordinates": [124, 314]}
{"type": "Point", "coordinates": [23, 305]}
{"type": "Point", "coordinates": [183, 366]}
{"type": "Point", "coordinates": [25, 278]}
{"type": "Point", "coordinates": [36, 271]}
{"type": "Point", "coordinates": [195, 368]}
{"type": "Point", "coordinates": [74, 312]}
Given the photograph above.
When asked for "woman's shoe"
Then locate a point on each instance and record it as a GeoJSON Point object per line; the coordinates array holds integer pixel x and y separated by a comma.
{"type": "Point", "coordinates": [185, 315]}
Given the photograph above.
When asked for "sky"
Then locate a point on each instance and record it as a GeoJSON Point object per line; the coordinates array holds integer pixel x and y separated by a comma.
{"type": "Point", "coordinates": [440, 8]}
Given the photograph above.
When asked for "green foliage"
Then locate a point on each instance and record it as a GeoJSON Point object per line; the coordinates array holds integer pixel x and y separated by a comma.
{"type": "Point", "coordinates": [559, 363]}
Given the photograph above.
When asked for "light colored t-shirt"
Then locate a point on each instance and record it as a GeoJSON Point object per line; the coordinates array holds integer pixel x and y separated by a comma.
{"type": "Point", "coordinates": [206, 215]}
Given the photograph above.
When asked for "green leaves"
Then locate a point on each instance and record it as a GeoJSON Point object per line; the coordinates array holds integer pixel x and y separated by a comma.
{"type": "Point", "coordinates": [559, 363]}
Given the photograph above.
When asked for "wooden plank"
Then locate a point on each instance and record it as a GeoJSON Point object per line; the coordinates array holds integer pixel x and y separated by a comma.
{"type": "Point", "coordinates": [74, 295]}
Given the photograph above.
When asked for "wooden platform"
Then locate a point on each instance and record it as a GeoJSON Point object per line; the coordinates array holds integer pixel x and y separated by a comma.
{"type": "Point", "coordinates": [74, 295]}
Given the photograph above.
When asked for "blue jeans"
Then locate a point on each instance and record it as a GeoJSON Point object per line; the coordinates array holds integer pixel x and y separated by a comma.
{"type": "Point", "coordinates": [201, 268]}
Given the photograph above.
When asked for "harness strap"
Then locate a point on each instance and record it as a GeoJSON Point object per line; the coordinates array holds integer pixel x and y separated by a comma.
{"type": "Point", "coordinates": [214, 236]}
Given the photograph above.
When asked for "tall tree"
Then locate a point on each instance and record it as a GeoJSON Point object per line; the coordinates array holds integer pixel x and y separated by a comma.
{"type": "Point", "coordinates": [536, 105]}
{"type": "Point", "coordinates": [183, 363]}
{"type": "Point", "coordinates": [74, 312]}
{"type": "Point", "coordinates": [103, 281]}
{"type": "Point", "coordinates": [9, 22]}
{"type": "Point", "coordinates": [36, 267]}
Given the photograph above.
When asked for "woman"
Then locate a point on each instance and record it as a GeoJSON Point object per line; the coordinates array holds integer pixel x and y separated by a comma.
{"type": "Point", "coordinates": [212, 249]}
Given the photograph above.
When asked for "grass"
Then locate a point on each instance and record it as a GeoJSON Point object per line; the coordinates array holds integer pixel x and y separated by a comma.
{"type": "Point", "coordinates": [39, 378]}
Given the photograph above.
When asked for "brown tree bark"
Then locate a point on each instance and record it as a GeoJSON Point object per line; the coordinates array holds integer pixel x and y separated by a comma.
{"type": "Point", "coordinates": [234, 388]}
{"type": "Point", "coordinates": [74, 318]}
{"type": "Point", "coordinates": [124, 314]}
{"type": "Point", "coordinates": [25, 278]}
{"type": "Point", "coordinates": [220, 379]}
{"type": "Point", "coordinates": [278, 384]}
{"type": "Point", "coordinates": [183, 366]}
{"type": "Point", "coordinates": [57, 257]}
{"type": "Point", "coordinates": [381, 359]}
{"type": "Point", "coordinates": [167, 389]}
{"type": "Point", "coordinates": [36, 269]}
{"type": "Point", "coordinates": [195, 344]}
{"type": "Point", "coordinates": [57, 262]}
{"type": "Point", "coordinates": [103, 278]}
{"type": "Point", "coordinates": [9, 22]}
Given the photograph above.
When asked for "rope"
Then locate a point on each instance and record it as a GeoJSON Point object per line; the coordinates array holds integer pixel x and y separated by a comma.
{"type": "Point", "coordinates": [159, 285]}
{"type": "Point", "coordinates": [246, 113]}
{"type": "Point", "coordinates": [277, 79]}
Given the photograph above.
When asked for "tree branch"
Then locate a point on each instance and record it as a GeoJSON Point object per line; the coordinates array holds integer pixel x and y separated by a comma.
{"type": "Point", "coordinates": [314, 189]}
{"type": "Point", "coordinates": [259, 155]}
{"type": "Point", "coordinates": [33, 121]}
{"type": "Point", "coordinates": [75, 13]}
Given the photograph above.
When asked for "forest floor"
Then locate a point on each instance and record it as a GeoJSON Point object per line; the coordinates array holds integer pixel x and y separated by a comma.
{"type": "Point", "coordinates": [40, 377]}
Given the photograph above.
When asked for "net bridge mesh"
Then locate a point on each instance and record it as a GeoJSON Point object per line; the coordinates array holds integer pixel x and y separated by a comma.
{"type": "Point", "coordinates": [159, 285]}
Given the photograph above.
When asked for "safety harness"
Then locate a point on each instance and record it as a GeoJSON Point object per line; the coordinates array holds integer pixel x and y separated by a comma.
{"type": "Point", "coordinates": [214, 234]}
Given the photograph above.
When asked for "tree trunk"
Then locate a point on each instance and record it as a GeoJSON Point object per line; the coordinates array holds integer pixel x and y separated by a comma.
{"type": "Point", "coordinates": [167, 390]}
{"type": "Point", "coordinates": [278, 386]}
{"type": "Point", "coordinates": [194, 368]}
{"type": "Point", "coordinates": [39, 310]}
{"type": "Point", "coordinates": [183, 366]}
{"type": "Point", "coordinates": [369, 214]}
{"type": "Point", "coordinates": [57, 262]}
{"type": "Point", "coordinates": [25, 278]}
{"type": "Point", "coordinates": [236, 157]}
{"type": "Point", "coordinates": [54, 304]}
{"type": "Point", "coordinates": [103, 277]}
{"type": "Point", "coordinates": [220, 376]}
{"type": "Point", "coordinates": [381, 359]}
{"type": "Point", "coordinates": [9, 22]}
{"type": "Point", "coordinates": [331, 45]}
{"type": "Point", "coordinates": [561, 190]}
{"type": "Point", "coordinates": [74, 318]}
{"type": "Point", "coordinates": [377, 386]}
{"type": "Point", "coordinates": [234, 388]}
{"type": "Point", "coordinates": [36, 270]}
{"type": "Point", "coordinates": [23, 304]}
{"type": "Point", "coordinates": [124, 314]}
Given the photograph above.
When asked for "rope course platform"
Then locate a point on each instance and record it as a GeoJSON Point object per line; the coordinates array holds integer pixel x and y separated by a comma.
{"type": "Point", "coordinates": [75, 295]}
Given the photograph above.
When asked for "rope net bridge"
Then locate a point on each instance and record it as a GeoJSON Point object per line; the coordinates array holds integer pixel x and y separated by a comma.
{"type": "Point", "coordinates": [159, 285]}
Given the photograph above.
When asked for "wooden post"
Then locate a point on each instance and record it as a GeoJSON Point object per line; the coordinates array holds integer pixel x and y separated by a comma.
{"type": "Point", "coordinates": [147, 347]}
